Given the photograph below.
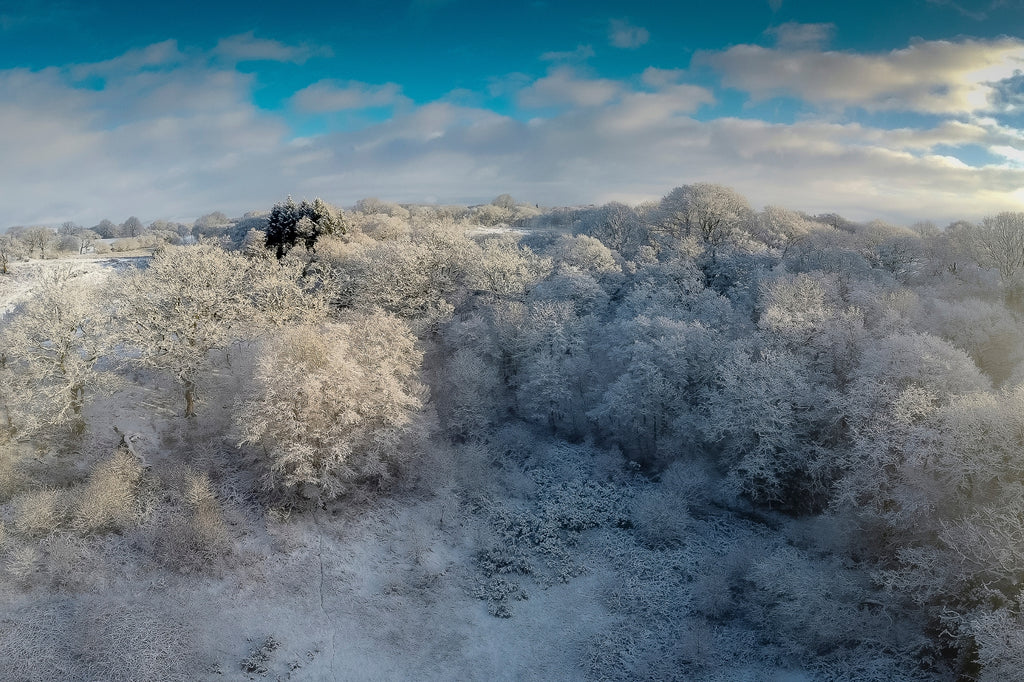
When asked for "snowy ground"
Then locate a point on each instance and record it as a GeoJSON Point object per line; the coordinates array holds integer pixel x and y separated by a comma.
{"type": "Point", "coordinates": [17, 286]}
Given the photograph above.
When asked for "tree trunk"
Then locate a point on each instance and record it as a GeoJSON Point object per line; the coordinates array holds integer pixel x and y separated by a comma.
{"type": "Point", "coordinates": [190, 399]}
{"type": "Point", "coordinates": [77, 402]}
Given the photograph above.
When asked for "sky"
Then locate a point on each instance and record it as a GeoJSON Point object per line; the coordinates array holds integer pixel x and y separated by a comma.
{"type": "Point", "coordinates": [903, 110]}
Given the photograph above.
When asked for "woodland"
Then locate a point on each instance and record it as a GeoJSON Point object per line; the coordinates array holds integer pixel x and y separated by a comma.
{"type": "Point", "coordinates": [681, 440]}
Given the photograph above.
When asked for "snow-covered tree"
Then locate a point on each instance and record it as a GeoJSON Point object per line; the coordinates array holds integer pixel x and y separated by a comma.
{"type": "Point", "coordinates": [772, 427]}
{"type": "Point", "coordinates": [132, 227]}
{"type": "Point", "coordinates": [11, 249]}
{"type": "Point", "coordinates": [51, 348]}
{"type": "Point", "coordinates": [188, 302]}
{"type": "Point", "coordinates": [617, 225]}
{"type": "Point", "coordinates": [779, 228]}
{"type": "Point", "coordinates": [330, 405]}
{"type": "Point", "coordinates": [281, 223]}
{"type": "Point", "coordinates": [506, 270]}
{"type": "Point", "coordinates": [38, 238]}
{"type": "Point", "coordinates": [999, 243]}
{"type": "Point", "coordinates": [711, 213]}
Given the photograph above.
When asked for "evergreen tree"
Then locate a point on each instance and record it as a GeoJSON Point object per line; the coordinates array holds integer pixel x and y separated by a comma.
{"type": "Point", "coordinates": [326, 218]}
{"type": "Point", "coordinates": [281, 226]}
{"type": "Point", "coordinates": [289, 223]}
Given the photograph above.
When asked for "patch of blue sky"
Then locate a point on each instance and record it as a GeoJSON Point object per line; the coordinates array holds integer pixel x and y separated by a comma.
{"type": "Point", "coordinates": [312, 125]}
{"type": "Point", "coordinates": [971, 154]}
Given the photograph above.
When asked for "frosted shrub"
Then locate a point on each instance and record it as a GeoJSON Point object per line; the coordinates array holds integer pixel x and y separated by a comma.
{"type": "Point", "coordinates": [71, 561]}
{"type": "Point", "coordinates": [23, 562]}
{"type": "Point", "coordinates": [712, 595]}
{"type": "Point", "coordinates": [109, 501]}
{"type": "Point", "coordinates": [192, 535]}
{"type": "Point", "coordinates": [40, 512]}
{"type": "Point", "coordinates": [206, 517]}
{"type": "Point", "coordinates": [126, 244]}
{"type": "Point", "coordinates": [660, 517]}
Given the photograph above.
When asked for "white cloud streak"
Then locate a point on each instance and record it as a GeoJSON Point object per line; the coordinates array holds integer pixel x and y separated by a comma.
{"type": "Point", "coordinates": [246, 47]}
{"type": "Point", "coordinates": [563, 87]}
{"type": "Point", "coordinates": [330, 95]}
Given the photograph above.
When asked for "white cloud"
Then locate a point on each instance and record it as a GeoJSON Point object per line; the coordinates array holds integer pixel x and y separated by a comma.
{"type": "Point", "coordinates": [793, 35]}
{"type": "Point", "coordinates": [659, 78]}
{"type": "Point", "coordinates": [1013, 154]}
{"type": "Point", "coordinates": [158, 55]}
{"type": "Point", "coordinates": [169, 143]}
{"type": "Point", "coordinates": [331, 95]}
{"type": "Point", "coordinates": [624, 35]}
{"type": "Point", "coordinates": [176, 143]}
{"type": "Point", "coordinates": [246, 47]}
{"type": "Point", "coordinates": [641, 110]}
{"type": "Point", "coordinates": [562, 87]}
{"type": "Point", "coordinates": [939, 77]}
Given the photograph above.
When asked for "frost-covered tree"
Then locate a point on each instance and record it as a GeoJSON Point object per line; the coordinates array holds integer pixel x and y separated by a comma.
{"type": "Point", "coordinates": [617, 225]}
{"type": "Point", "coordinates": [418, 279]}
{"type": "Point", "coordinates": [506, 270]}
{"type": "Point", "coordinates": [999, 243]}
{"type": "Point", "coordinates": [711, 213]}
{"type": "Point", "coordinates": [780, 228]}
{"type": "Point", "coordinates": [132, 227]}
{"type": "Point", "coordinates": [11, 249]}
{"type": "Point", "coordinates": [373, 205]}
{"type": "Point", "coordinates": [330, 405]}
{"type": "Point", "coordinates": [504, 201]}
{"type": "Point", "coordinates": [806, 315]}
{"type": "Point", "coordinates": [107, 229]}
{"type": "Point", "coordinates": [470, 400]}
{"type": "Point", "coordinates": [659, 370]}
{"type": "Point", "coordinates": [553, 368]}
{"type": "Point", "coordinates": [772, 427]}
{"type": "Point", "coordinates": [38, 238]}
{"type": "Point", "coordinates": [86, 240]}
{"type": "Point", "coordinates": [51, 348]}
{"type": "Point", "coordinates": [585, 253]}
{"type": "Point", "coordinates": [188, 302]}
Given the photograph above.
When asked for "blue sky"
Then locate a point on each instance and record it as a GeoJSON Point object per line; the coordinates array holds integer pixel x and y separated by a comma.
{"type": "Point", "coordinates": [901, 110]}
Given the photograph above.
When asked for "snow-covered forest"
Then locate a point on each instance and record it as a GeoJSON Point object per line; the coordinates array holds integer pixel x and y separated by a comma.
{"type": "Point", "coordinates": [684, 440]}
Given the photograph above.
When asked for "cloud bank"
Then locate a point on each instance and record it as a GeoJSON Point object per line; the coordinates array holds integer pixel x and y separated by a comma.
{"type": "Point", "coordinates": [175, 133]}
